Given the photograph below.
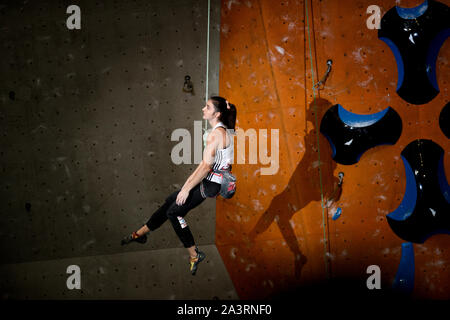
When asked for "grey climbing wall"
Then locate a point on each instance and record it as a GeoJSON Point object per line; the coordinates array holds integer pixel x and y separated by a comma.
{"type": "Point", "coordinates": [86, 118]}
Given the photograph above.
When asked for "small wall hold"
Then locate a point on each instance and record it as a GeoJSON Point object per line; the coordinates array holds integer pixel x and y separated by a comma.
{"type": "Point", "coordinates": [337, 214]}
{"type": "Point", "coordinates": [321, 83]}
{"type": "Point", "coordinates": [341, 178]}
{"type": "Point", "coordinates": [188, 86]}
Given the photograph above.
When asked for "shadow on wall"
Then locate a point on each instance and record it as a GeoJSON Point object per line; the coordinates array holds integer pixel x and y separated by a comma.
{"type": "Point", "coordinates": [303, 186]}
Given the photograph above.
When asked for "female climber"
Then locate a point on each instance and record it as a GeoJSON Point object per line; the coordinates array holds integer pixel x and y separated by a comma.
{"type": "Point", "coordinates": [203, 182]}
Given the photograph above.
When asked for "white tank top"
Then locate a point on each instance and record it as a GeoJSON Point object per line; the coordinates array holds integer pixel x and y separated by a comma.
{"type": "Point", "coordinates": [223, 158]}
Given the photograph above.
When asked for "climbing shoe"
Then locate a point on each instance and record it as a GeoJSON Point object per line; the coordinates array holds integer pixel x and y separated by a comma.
{"type": "Point", "coordinates": [134, 237]}
{"type": "Point", "coordinates": [194, 262]}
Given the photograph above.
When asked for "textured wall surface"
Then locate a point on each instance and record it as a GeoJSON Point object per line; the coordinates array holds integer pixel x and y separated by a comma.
{"type": "Point", "coordinates": [274, 235]}
{"type": "Point", "coordinates": [145, 274]}
{"type": "Point", "coordinates": [86, 120]}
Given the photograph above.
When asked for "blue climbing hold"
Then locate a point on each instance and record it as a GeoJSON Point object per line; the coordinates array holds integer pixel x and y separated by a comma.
{"type": "Point", "coordinates": [404, 279]}
{"type": "Point", "coordinates": [337, 214]}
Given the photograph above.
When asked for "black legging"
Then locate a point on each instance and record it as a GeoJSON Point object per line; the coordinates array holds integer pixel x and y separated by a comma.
{"type": "Point", "coordinates": [175, 213]}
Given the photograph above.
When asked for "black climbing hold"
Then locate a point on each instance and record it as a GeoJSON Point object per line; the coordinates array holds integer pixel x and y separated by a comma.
{"type": "Point", "coordinates": [425, 208]}
{"type": "Point", "coordinates": [415, 36]}
{"type": "Point", "coordinates": [351, 134]}
{"type": "Point", "coordinates": [444, 120]}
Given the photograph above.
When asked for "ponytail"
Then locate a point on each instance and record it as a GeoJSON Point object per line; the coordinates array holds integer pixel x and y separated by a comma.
{"type": "Point", "coordinates": [227, 111]}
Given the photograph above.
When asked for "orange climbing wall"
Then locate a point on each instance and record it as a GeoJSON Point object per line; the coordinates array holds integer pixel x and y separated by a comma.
{"type": "Point", "coordinates": [271, 233]}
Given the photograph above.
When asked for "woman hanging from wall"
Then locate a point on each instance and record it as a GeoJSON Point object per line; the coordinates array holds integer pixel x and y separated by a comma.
{"type": "Point", "coordinates": [206, 181]}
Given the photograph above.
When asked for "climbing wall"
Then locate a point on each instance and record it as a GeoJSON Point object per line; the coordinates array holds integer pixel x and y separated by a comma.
{"type": "Point", "coordinates": [283, 232]}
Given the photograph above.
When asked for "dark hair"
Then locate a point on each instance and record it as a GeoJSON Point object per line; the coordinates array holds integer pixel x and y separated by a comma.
{"type": "Point", "coordinates": [227, 116]}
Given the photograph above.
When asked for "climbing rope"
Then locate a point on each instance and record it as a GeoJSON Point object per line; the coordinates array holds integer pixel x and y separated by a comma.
{"type": "Point", "coordinates": [207, 66]}
{"type": "Point", "coordinates": [318, 145]}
